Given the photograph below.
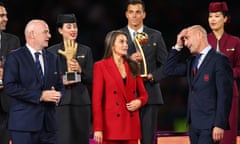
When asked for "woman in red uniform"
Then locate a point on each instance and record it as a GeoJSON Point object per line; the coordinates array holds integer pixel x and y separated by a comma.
{"type": "Point", "coordinates": [230, 46]}
{"type": "Point", "coordinates": [118, 93]}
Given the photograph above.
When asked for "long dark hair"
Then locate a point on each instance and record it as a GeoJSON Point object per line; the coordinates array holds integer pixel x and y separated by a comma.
{"type": "Point", "coordinates": [109, 42]}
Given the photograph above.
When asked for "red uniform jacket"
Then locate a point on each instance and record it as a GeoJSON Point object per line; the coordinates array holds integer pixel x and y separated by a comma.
{"type": "Point", "coordinates": [230, 46]}
{"type": "Point", "coordinates": [110, 96]}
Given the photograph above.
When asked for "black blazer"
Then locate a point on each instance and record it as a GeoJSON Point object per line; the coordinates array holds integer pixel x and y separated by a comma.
{"type": "Point", "coordinates": [9, 42]}
{"type": "Point", "coordinates": [77, 94]}
{"type": "Point", "coordinates": [155, 52]}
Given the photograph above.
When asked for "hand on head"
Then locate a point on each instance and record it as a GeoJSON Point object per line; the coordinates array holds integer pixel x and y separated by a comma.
{"type": "Point", "coordinates": [180, 38]}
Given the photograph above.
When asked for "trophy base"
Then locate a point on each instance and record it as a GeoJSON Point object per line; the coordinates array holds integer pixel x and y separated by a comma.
{"type": "Point", "coordinates": [72, 77]}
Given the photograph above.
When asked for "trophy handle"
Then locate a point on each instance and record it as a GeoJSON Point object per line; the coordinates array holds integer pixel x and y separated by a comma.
{"type": "Point", "coordinates": [141, 38]}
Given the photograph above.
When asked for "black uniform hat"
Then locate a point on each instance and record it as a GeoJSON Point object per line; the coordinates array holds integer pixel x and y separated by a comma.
{"type": "Point", "coordinates": [66, 18]}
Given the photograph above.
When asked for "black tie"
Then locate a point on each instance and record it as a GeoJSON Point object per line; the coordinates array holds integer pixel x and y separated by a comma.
{"type": "Point", "coordinates": [195, 64]}
{"type": "Point", "coordinates": [38, 65]}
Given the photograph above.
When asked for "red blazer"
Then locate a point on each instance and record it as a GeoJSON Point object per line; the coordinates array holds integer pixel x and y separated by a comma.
{"type": "Point", "coordinates": [230, 46]}
{"type": "Point", "coordinates": [110, 96]}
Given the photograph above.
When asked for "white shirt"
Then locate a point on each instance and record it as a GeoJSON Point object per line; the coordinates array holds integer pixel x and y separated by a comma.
{"type": "Point", "coordinates": [40, 56]}
{"type": "Point", "coordinates": [131, 31]}
{"type": "Point", "coordinates": [203, 55]}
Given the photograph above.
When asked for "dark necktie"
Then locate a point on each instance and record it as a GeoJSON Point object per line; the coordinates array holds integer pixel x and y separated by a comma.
{"type": "Point", "coordinates": [38, 65]}
{"type": "Point", "coordinates": [134, 35]}
{"type": "Point", "coordinates": [195, 64]}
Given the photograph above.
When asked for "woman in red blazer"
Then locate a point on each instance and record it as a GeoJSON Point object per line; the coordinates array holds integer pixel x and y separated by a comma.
{"type": "Point", "coordinates": [230, 46]}
{"type": "Point", "coordinates": [118, 93]}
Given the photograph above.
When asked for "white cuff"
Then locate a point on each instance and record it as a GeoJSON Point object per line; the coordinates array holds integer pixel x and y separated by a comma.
{"type": "Point", "coordinates": [178, 48]}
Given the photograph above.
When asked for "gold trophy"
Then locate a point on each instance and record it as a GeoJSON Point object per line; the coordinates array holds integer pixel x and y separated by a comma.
{"type": "Point", "coordinates": [140, 39]}
{"type": "Point", "coordinates": [70, 53]}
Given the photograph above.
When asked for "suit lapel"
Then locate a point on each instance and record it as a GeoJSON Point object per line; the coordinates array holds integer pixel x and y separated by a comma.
{"type": "Point", "coordinates": [45, 62]}
{"type": "Point", "coordinates": [129, 83]}
{"type": "Point", "coordinates": [116, 76]}
{"type": "Point", "coordinates": [204, 64]}
{"type": "Point", "coordinates": [131, 45]}
{"type": "Point", "coordinates": [30, 59]}
{"type": "Point", "coordinates": [3, 44]}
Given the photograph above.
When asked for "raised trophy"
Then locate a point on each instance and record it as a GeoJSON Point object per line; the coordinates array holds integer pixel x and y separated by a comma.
{"type": "Point", "coordinates": [70, 53]}
{"type": "Point", "coordinates": [140, 39]}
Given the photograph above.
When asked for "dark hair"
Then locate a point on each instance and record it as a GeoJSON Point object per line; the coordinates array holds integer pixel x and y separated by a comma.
{"type": "Point", "coordinates": [134, 2]}
{"type": "Point", "coordinates": [109, 42]}
{"type": "Point", "coordinates": [2, 4]}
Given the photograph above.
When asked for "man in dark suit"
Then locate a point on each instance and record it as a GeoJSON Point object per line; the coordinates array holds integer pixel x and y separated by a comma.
{"type": "Point", "coordinates": [210, 79]}
{"type": "Point", "coordinates": [8, 42]}
{"type": "Point", "coordinates": [32, 78]}
{"type": "Point", "coordinates": [155, 52]}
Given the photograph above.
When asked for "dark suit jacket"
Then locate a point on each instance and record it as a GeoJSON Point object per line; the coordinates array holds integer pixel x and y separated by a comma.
{"type": "Point", "coordinates": [77, 94]}
{"type": "Point", "coordinates": [22, 83]}
{"type": "Point", "coordinates": [9, 42]}
{"type": "Point", "coordinates": [110, 96]}
{"type": "Point", "coordinates": [155, 52]}
{"type": "Point", "coordinates": [210, 91]}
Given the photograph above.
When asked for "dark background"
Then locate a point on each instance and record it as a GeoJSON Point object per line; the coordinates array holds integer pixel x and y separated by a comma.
{"type": "Point", "coordinates": [97, 17]}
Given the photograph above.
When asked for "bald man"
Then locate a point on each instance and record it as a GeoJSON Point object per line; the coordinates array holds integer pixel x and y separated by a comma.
{"type": "Point", "coordinates": [33, 80]}
{"type": "Point", "coordinates": [210, 80]}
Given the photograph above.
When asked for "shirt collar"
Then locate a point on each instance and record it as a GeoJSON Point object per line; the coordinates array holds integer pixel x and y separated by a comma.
{"type": "Point", "coordinates": [32, 50]}
{"type": "Point", "coordinates": [131, 31]}
{"type": "Point", "coordinates": [205, 50]}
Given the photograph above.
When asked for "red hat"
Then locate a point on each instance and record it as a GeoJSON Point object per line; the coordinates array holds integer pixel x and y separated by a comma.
{"type": "Point", "coordinates": [218, 7]}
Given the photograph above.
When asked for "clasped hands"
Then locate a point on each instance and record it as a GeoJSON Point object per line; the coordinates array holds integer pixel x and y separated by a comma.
{"type": "Point", "coordinates": [134, 105]}
{"type": "Point", "coordinates": [131, 106]}
{"type": "Point", "coordinates": [51, 96]}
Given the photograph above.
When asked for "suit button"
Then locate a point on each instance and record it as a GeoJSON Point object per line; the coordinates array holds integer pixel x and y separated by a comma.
{"type": "Point", "coordinates": [118, 115]}
{"type": "Point", "coordinates": [115, 92]}
{"type": "Point", "coordinates": [131, 114]}
{"type": "Point", "coordinates": [117, 103]}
